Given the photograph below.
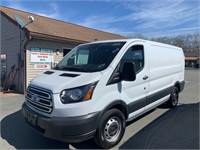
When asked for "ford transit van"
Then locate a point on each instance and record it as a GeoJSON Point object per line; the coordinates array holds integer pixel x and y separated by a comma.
{"type": "Point", "coordinates": [98, 87]}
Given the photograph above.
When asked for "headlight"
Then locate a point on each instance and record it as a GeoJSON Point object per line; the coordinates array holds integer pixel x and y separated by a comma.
{"type": "Point", "coordinates": [78, 94]}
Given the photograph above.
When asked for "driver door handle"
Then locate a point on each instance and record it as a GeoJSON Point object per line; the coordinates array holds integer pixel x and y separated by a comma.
{"type": "Point", "coordinates": [145, 77]}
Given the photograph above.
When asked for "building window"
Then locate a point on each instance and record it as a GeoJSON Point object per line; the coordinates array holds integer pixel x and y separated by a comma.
{"type": "Point", "coordinates": [3, 62]}
{"type": "Point", "coordinates": [65, 51]}
{"type": "Point", "coordinates": [3, 66]}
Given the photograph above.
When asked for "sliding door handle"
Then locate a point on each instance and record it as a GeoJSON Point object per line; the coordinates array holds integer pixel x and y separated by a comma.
{"type": "Point", "coordinates": [145, 77]}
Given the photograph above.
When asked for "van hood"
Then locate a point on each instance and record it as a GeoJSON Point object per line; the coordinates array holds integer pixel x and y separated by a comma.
{"type": "Point", "coordinates": [56, 80]}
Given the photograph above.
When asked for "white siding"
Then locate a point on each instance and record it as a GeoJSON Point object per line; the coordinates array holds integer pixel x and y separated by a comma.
{"type": "Point", "coordinates": [10, 45]}
{"type": "Point", "coordinates": [31, 72]}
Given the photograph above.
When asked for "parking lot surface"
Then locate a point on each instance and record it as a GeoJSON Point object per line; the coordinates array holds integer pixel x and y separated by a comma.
{"type": "Point", "coordinates": [160, 128]}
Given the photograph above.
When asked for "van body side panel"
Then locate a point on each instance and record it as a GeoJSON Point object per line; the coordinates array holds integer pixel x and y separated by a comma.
{"type": "Point", "coordinates": [158, 95]}
{"type": "Point", "coordinates": [136, 105]}
{"type": "Point", "coordinates": [139, 112]}
{"type": "Point", "coordinates": [166, 68]}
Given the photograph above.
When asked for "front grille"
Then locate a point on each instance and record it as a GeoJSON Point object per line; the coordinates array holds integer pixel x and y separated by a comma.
{"type": "Point", "coordinates": [39, 99]}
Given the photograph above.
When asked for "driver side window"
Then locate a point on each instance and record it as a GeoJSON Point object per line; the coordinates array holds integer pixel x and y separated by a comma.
{"type": "Point", "coordinates": [134, 54]}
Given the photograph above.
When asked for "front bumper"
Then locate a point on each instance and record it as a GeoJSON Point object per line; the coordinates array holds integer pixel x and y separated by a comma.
{"type": "Point", "coordinates": [67, 129]}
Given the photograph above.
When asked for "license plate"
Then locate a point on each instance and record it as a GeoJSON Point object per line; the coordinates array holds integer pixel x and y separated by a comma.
{"type": "Point", "coordinates": [31, 118]}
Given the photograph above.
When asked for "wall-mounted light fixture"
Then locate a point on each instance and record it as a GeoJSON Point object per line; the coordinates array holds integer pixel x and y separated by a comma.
{"type": "Point", "coordinates": [57, 52]}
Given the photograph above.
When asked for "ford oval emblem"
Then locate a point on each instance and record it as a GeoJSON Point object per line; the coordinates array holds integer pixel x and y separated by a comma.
{"type": "Point", "coordinates": [35, 98]}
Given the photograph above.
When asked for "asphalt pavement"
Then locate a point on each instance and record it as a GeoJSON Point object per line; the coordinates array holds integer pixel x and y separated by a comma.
{"type": "Point", "coordinates": [160, 128]}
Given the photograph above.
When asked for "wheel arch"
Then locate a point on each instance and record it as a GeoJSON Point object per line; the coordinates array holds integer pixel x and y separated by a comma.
{"type": "Point", "coordinates": [177, 84]}
{"type": "Point", "coordinates": [118, 104]}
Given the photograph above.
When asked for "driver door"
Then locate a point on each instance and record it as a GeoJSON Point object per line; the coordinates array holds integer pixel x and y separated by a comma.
{"type": "Point", "coordinates": [134, 92]}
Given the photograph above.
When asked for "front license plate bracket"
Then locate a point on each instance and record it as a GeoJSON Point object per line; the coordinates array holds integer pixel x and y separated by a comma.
{"type": "Point", "coordinates": [31, 118]}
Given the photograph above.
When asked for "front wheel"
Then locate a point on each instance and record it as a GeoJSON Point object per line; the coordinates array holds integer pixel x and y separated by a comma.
{"type": "Point", "coordinates": [173, 100]}
{"type": "Point", "coordinates": [111, 129]}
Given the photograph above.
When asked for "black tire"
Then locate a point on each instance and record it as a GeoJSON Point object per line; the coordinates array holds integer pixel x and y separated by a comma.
{"type": "Point", "coordinates": [173, 100]}
{"type": "Point", "coordinates": [111, 129]}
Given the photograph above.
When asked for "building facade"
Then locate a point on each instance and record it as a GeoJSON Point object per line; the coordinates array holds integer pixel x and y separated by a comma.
{"type": "Point", "coordinates": [30, 50]}
{"type": "Point", "coordinates": [192, 59]}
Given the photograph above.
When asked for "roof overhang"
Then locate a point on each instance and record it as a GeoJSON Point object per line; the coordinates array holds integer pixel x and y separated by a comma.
{"type": "Point", "coordinates": [192, 58]}
{"type": "Point", "coordinates": [35, 35]}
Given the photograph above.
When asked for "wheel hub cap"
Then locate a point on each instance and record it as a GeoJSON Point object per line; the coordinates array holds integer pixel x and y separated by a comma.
{"type": "Point", "coordinates": [112, 129]}
{"type": "Point", "coordinates": [175, 98]}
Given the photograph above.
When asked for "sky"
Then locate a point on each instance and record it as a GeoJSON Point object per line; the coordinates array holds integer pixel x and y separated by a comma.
{"type": "Point", "coordinates": [151, 18]}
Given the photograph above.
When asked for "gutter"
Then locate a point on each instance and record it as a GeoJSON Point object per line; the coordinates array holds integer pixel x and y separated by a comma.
{"type": "Point", "coordinates": [28, 39]}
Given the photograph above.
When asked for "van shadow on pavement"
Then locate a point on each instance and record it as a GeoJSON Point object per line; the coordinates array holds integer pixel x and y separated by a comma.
{"type": "Point", "coordinates": [178, 128]}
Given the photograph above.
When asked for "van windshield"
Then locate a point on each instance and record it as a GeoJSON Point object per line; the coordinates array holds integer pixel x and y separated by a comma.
{"type": "Point", "coordinates": [90, 57]}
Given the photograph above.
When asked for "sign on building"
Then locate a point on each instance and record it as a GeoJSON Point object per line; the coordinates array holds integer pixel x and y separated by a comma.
{"type": "Point", "coordinates": [41, 66]}
{"type": "Point", "coordinates": [42, 56]}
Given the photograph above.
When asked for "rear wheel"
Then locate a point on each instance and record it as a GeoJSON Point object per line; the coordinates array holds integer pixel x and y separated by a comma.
{"type": "Point", "coordinates": [173, 101]}
{"type": "Point", "coordinates": [111, 129]}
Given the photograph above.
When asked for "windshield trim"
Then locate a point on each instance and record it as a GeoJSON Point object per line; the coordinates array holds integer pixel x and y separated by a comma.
{"type": "Point", "coordinates": [106, 52]}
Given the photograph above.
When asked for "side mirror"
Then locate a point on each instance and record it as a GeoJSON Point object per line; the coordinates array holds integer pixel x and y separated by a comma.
{"type": "Point", "coordinates": [128, 72]}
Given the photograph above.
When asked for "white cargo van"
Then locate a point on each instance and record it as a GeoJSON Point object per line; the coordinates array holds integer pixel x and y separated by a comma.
{"type": "Point", "coordinates": [97, 87]}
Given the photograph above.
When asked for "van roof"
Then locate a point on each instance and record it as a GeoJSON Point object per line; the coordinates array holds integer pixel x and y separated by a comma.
{"type": "Point", "coordinates": [140, 40]}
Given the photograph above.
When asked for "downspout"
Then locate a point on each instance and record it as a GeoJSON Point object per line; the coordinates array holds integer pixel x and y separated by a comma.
{"type": "Point", "coordinates": [28, 39]}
